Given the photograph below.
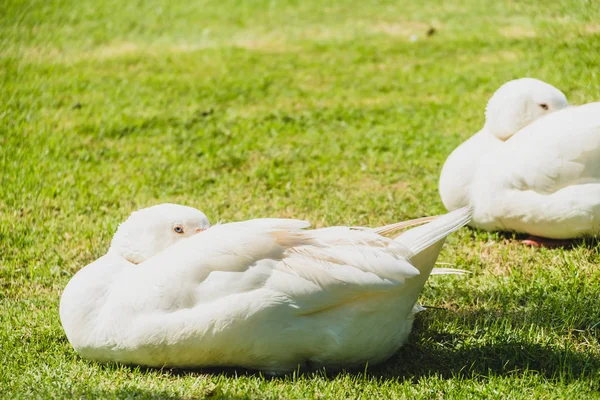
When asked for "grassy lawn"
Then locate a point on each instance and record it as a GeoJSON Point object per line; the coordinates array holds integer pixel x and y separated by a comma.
{"type": "Point", "coordinates": [325, 111]}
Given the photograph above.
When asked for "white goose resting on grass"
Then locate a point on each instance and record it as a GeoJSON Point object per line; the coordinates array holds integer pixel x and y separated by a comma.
{"type": "Point", "coordinates": [534, 167]}
{"type": "Point", "coordinates": [263, 294]}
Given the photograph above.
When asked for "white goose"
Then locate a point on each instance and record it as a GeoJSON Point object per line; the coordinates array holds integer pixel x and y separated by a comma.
{"type": "Point", "coordinates": [526, 173]}
{"type": "Point", "coordinates": [262, 294]}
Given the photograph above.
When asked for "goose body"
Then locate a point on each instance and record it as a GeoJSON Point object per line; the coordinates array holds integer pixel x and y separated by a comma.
{"type": "Point", "coordinates": [264, 294]}
{"type": "Point", "coordinates": [545, 180]}
{"type": "Point", "coordinates": [534, 168]}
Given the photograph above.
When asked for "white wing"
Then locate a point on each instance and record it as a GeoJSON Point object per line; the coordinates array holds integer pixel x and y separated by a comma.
{"type": "Point", "coordinates": [554, 152]}
{"type": "Point", "coordinates": [310, 270]}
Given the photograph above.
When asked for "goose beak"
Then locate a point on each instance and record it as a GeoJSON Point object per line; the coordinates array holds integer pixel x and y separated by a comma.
{"type": "Point", "coordinates": [200, 230]}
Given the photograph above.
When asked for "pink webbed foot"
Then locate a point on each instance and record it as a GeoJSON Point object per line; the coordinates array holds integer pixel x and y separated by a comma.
{"type": "Point", "coordinates": [536, 241]}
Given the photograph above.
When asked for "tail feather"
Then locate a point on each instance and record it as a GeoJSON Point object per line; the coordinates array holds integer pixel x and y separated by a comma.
{"type": "Point", "coordinates": [448, 271]}
{"type": "Point", "coordinates": [422, 237]}
{"type": "Point", "coordinates": [393, 228]}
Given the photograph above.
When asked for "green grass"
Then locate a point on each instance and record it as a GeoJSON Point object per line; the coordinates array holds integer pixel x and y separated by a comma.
{"type": "Point", "coordinates": [326, 112]}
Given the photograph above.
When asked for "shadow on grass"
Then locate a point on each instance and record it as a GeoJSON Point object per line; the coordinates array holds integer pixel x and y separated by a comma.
{"type": "Point", "coordinates": [588, 242]}
{"type": "Point", "coordinates": [139, 393]}
{"type": "Point", "coordinates": [130, 393]}
{"type": "Point", "coordinates": [447, 355]}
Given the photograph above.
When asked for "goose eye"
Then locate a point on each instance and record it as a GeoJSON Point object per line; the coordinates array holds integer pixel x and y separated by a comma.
{"type": "Point", "coordinates": [544, 106]}
{"type": "Point", "coordinates": [178, 229]}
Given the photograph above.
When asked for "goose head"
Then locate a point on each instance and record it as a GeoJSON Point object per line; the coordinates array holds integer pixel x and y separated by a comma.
{"type": "Point", "coordinates": [151, 230]}
{"type": "Point", "coordinates": [518, 103]}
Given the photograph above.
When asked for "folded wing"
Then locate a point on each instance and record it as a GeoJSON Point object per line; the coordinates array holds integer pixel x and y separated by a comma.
{"type": "Point", "coordinates": [309, 270]}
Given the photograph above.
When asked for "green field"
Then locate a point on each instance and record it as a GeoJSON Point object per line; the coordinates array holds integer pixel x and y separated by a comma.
{"type": "Point", "coordinates": [325, 111]}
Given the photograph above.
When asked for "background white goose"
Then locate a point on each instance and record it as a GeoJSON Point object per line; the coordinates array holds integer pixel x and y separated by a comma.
{"type": "Point", "coordinates": [262, 294]}
{"type": "Point", "coordinates": [526, 173]}
{"type": "Point", "coordinates": [515, 104]}
{"type": "Point", "coordinates": [545, 180]}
